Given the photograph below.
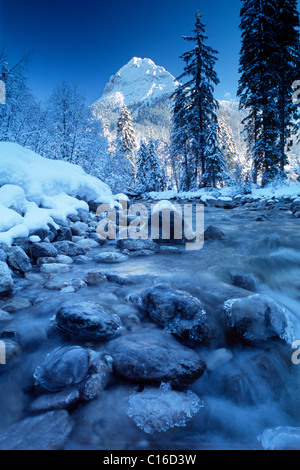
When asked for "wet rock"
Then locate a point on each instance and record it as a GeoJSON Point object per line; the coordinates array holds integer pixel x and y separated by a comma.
{"type": "Point", "coordinates": [137, 245]}
{"type": "Point", "coordinates": [41, 233]}
{"type": "Point", "coordinates": [55, 284]}
{"type": "Point", "coordinates": [56, 401]}
{"type": "Point", "coordinates": [88, 321]}
{"type": "Point", "coordinates": [158, 410]}
{"type": "Point", "coordinates": [6, 280]}
{"type": "Point", "coordinates": [213, 233]}
{"type": "Point", "coordinates": [23, 243]}
{"type": "Point", "coordinates": [152, 356]}
{"type": "Point", "coordinates": [245, 281]}
{"type": "Point", "coordinates": [98, 378]}
{"type": "Point", "coordinates": [139, 253]}
{"type": "Point", "coordinates": [82, 259]}
{"type": "Point", "coordinates": [280, 438]}
{"type": "Point", "coordinates": [93, 206]}
{"type": "Point", "coordinates": [18, 260]}
{"type": "Point", "coordinates": [73, 218]}
{"type": "Point", "coordinates": [87, 244]}
{"type": "Point", "coordinates": [260, 218]}
{"type": "Point", "coordinates": [94, 278]}
{"type": "Point", "coordinates": [110, 257]}
{"type": "Point", "coordinates": [258, 318]}
{"type": "Point", "coordinates": [5, 316]}
{"type": "Point", "coordinates": [63, 233]}
{"type": "Point", "coordinates": [16, 304]}
{"type": "Point", "coordinates": [48, 431]}
{"type": "Point", "coordinates": [63, 259]}
{"type": "Point", "coordinates": [43, 250]}
{"type": "Point", "coordinates": [122, 281]}
{"type": "Point", "coordinates": [77, 284]}
{"type": "Point", "coordinates": [3, 256]}
{"type": "Point", "coordinates": [83, 215]}
{"type": "Point", "coordinates": [168, 249]}
{"type": "Point", "coordinates": [79, 229]}
{"type": "Point", "coordinates": [73, 367]}
{"type": "Point", "coordinates": [177, 311]}
{"type": "Point", "coordinates": [12, 349]}
{"type": "Point", "coordinates": [63, 368]}
{"type": "Point", "coordinates": [41, 261]}
{"type": "Point", "coordinates": [55, 268]}
{"type": "Point", "coordinates": [68, 248]}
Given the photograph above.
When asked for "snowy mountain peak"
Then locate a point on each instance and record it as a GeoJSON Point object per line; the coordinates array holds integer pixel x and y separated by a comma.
{"type": "Point", "coordinates": [140, 82]}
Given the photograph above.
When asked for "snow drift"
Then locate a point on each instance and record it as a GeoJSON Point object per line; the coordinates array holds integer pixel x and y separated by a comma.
{"type": "Point", "coordinates": [34, 191]}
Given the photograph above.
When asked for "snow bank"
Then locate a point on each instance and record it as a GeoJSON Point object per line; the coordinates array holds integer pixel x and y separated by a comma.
{"type": "Point", "coordinates": [35, 190]}
{"type": "Point", "coordinates": [291, 190]}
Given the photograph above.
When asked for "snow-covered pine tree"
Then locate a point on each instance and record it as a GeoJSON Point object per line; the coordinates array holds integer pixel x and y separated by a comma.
{"type": "Point", "coordinates": [216, 171]}
{"type": "Point", "coordinates": [126, 142]}
{"type": "Point", "coordinates": [149, 175]}
{"type": "Point", "coordinates": [259, 85]}
{"type": "Point", "coordinates": [226, 140]}
{"type": "Point", "coordinates": [195, 100]}
{"type": "Point", "coordinates": [181, 159]}
{"type": "Point", "coordinates": [121, 166]}
{"type": "Point", "coordinates": [288, 44]}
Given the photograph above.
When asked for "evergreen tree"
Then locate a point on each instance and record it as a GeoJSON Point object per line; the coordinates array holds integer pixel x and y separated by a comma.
{"type": "Point", "coordinates": [195, 103]}
{"type": "Point", "coordinates": [258, 82]}
{"type": "Point", "coordinates": [126, 143]}
{"type": "Point", "coordinates": [226, 140]}
{"type": "Point", "coordinates": [216, 168]}
{"type": "Point", "coordinates": [181, 159]}
{"type": "Point", "coordinates": [149, 176]}
{"type": "Point", "coordinates": [269, 59]}
{"type": "Point", "coordinates": [288, 44]}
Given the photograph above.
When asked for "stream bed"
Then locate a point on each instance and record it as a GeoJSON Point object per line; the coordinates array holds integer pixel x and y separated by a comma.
{"type": "Point", "coordinates": [246, 387]}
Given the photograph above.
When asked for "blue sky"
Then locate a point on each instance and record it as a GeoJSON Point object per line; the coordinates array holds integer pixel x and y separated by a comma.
{"type": "Point", "coordinates": [87, 41]}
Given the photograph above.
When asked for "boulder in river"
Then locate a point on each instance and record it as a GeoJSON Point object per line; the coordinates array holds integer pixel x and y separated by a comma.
{"type": "Point", "coordinates": [110, 257]}
{"type": "Point", "coordinates": [213, 233]}
{"type": "Point", "coordinates": [258, 318]}
{"type": "Point", "coordinates": [43, 250]}
{"type": "Point", "coordinates": [154, 356]}
{"type": "Point", "coordinates": [137, 245]}
{"type": "Point", "coordinates": [48, 431]}
{"type": "Point", "coordinates": [6, 280]}
{"type": "Point", "coordinates": [73, 367]}
{"type": "Point", "coordinates": [88, 321]}
{"type": "Point", "coordinates": [69, 248]}
{"type": "Point", "coordinates": [177, 311]}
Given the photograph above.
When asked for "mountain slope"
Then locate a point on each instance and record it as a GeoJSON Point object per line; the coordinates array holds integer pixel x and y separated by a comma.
{"type": "Point", "coordinates": [145, 88]}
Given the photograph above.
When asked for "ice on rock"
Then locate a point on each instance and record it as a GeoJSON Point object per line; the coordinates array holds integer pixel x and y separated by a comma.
{"type": "Point", "coordinates": [158, 410]}
{"type": "Point", "coordinates": [280, 438]}
{"type": "Point", "coordinates": [258, 318]}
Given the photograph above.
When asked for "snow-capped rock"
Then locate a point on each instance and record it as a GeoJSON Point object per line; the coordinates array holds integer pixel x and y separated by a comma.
{"type": "Point", "coordinates": [145, 88]}
{"type": "Point", "coordinates": [140, 82]}
{"type": "Point", "coordinates": [35, 190]}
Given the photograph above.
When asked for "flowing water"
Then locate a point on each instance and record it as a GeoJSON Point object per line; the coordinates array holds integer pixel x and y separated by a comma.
{"type": "Point", "coordinates": [245, 390]}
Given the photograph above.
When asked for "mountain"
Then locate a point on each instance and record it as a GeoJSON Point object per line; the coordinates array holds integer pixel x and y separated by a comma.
{"type": "Point", "coordinates": [145, 88]}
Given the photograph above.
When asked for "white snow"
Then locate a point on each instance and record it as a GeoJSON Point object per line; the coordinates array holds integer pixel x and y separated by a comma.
{"type": "Point", "coordinates": [35, 190]}
{"type": "Point", "coordinates": [139, 81]}
{"type": "Point", "coordinates": [284, 190]}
